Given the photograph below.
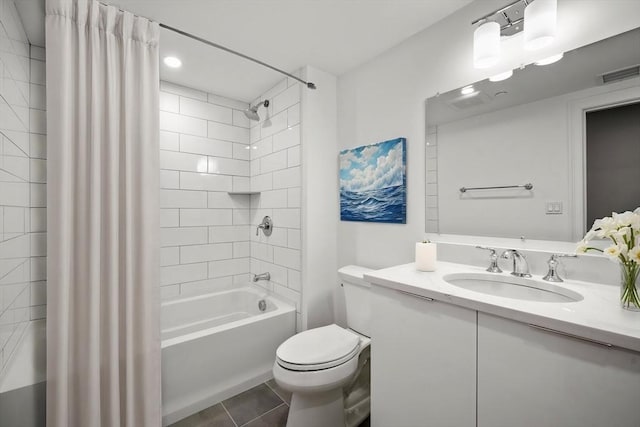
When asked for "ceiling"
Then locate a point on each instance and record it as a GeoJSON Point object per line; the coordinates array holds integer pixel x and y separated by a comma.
{"type": "Point", "coordinates": [331, 35]}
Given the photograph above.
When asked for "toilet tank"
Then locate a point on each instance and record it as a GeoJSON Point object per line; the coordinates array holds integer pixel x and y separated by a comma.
{"type": "Point", "coordinates": [357, 298]}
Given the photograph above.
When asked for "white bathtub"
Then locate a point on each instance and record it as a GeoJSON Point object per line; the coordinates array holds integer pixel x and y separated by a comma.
{"type": "Point", "coordinates": [215, 346]}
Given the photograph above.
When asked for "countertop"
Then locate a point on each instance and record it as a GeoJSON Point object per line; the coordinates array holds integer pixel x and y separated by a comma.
{"type": "Point", "coordinates": [597, 317]}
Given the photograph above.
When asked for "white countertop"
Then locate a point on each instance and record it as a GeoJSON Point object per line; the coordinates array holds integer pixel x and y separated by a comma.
{"type": "Point", "coordinates": [597, 317]}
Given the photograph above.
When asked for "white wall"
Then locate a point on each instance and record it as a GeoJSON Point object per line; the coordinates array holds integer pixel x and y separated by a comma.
{"type": "Point", "coordinates": [205, 235]}
{"type": "Point", "coordinates": [320, 201]}
{"type": "Point", "coordinates": [384, 99]}
{"type": "Point", "coordinates": [276, 174]}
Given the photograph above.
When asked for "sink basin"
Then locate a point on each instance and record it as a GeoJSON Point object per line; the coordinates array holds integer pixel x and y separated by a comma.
{"type": "Point", "coordinates": [512, 287]}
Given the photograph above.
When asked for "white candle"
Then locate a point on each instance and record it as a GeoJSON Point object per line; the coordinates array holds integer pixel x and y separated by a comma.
{"type": "Point", "coordinates": [426, 255]}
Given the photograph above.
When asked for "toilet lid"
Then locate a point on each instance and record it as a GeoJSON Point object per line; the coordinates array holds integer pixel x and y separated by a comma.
{"type": "Point", "coordinates": [318, 348]}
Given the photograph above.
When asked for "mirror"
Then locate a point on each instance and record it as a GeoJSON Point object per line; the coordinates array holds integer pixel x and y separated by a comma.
{"type": "Point", "coordinates": [530, 129]}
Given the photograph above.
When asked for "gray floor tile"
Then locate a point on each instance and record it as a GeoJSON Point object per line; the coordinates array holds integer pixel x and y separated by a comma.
{"type": "Point", "coordinates": [274, 418]}
{"type": "Point", "coordinates": [252, 404]}
{"type": "Point", "coordinates": [284, 395]}
{"type": "Point", "coordinates": [215, 416]}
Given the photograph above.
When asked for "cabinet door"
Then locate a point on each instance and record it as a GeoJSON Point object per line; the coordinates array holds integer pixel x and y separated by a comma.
{"type": "Point", "coordinates": [529, 377]}
{"type": "Point", "coordinates": [423, 362]}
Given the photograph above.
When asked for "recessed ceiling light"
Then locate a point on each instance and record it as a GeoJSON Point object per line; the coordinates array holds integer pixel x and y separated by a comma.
{"type": "Point", "coordinates": [467, 90]}
{"type": "Point", "coordinates": [172, 61]}
{"type": "Point", "coordinates": [501, 76]}
{"type": "Point", "coordinates": [550, 60]}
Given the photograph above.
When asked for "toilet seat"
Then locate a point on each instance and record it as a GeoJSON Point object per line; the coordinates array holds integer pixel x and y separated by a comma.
{"type": "Point", "coordinates": [318, 349]}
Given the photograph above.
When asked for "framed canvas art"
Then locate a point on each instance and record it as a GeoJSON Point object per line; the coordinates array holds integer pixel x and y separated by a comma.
{"type": "Point", "coordinates": [373, 182]}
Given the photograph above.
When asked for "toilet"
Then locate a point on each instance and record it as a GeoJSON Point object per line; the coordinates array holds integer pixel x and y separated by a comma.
{"type": "Point", "coordinates": [327, 369]}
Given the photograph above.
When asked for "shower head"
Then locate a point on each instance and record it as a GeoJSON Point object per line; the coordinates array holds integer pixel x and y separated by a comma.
{"type": "Point", "coordinates": [252, 112]}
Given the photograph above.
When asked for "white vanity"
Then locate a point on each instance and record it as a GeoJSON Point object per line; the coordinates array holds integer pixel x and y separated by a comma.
{"type": "Point", "coordinates": [446, 355]}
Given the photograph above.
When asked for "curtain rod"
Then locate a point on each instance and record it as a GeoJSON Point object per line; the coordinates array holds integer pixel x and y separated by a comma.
{"type": "Point", "coordinates": [309, 85]}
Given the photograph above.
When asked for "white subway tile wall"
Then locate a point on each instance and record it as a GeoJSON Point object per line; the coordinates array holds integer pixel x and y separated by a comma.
{"type": "Point", "coordinates": [275, 172]}
{"type": "Point", "coordinates": [205, 234]}
{"type": "Point", "coordinates": [22, 182]}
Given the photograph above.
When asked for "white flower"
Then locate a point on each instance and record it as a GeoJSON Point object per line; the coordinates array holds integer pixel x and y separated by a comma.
{"type": "Point", "coordinates": [612, 252]}
{"type": "Point", "coordinates": [623, 249]}
{"type": "Point", "coordinates": [634, 254]}
{"type": "Point", "coordinates": [582, 246]}
{"type": "Point", "coordinates": [607, 226]}
{"type": "Point", "coordinates": [589, 236]}
{"type": "Point", "coordinates": [634, 222]}
{"type": "Point", "coordinates": [624, 219]}
{"type": "Point", "coordinates": [621, 234]}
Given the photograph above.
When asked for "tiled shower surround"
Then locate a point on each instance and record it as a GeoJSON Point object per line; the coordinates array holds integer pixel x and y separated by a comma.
{"type": "Point", "coordinates": [276, 174]}
{"type": "Point", "coordinates": [22, 178]}
{"type": "Point", "coordinates": [208, 148]}
{"type": "Point", "coordinates": [203, 155]}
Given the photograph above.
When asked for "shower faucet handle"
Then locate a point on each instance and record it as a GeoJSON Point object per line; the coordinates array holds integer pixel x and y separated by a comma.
{"type": "Point", "coordinates": [493, 256]}
{"type": "Point", "coordinates": [266, 226]}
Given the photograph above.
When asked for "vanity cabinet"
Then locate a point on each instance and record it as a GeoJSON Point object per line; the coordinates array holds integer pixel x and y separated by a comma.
{"type": "Point", "coordinates": [423, 362]}
{"type": "Point", "coordinates": [438, 364]}
{"type": "Point", "coordinates": [529, 377]}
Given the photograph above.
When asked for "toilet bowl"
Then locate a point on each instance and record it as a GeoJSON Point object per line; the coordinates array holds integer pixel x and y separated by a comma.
{"type": "Point", "coordinates": [326, 367]}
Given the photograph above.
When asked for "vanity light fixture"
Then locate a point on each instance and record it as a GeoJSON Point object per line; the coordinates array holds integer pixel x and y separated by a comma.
{"type": "Point", "coordinates": [536, 18]}
{"type": "Point", "coordinates": [550, 60]}
{"type": "Point", "coordinates": [467, 90]}
{"type": "Point", "coordinates": [502, 76]}
{"type": "Point", "coordinates": [172, 62]}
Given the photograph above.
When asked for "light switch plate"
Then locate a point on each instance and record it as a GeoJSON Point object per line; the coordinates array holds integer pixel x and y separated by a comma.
{"type": "Point", "coordinates": [553, 208]}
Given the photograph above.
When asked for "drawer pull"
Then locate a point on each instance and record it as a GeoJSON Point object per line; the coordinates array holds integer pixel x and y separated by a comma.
{"type": "Point", "coordinates": [414, 295]}
{"type": "Point", "coordinates": [568, 335]}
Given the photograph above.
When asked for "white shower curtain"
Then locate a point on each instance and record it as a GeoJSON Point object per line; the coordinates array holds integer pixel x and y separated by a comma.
{"type": "Point", "coordinates": [103, 339]}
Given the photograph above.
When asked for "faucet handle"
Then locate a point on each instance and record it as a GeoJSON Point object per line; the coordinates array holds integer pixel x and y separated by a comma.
{"type": "Point", "coordinates": [493, 256]}
{"type": "Point", "coordinates": [266, 226]}
{"type": "Point", "coordinates": [552, 274]}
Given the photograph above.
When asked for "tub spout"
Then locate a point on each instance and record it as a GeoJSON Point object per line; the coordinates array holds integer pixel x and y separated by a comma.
{"type": "Point", "coordinates": [262, 276]}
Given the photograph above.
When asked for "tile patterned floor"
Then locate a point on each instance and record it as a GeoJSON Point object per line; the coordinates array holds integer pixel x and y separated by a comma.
{"type": "Point", "coordinates": [266, 405]}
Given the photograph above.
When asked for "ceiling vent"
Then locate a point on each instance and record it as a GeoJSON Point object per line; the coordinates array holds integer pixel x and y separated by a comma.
{"type": "Point", "coordinates": [622, 74]}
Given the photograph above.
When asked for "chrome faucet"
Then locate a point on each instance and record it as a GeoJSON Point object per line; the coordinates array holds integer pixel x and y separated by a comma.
{"type": "Point", "coordinates": [262, 276]}
{"type": "Point", "coordinates": [520, 266]}
{"type": "Point", "coordinates": [552, 274]}
{"type": "Point", "coordinates": [493, 257]}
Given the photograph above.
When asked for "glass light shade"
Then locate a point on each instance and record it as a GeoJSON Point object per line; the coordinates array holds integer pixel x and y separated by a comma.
{"type": "Point", "coordinates": [550, 60]}
{"type": "Point", "coordinates": [540, 23]}
{"type": "Point", "coordinates": [502, 76]}
{"type": "Point", "coordinates": [486, 45]}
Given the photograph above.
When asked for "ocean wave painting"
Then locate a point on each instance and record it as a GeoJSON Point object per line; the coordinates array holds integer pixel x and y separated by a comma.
{"type": "Point", "coordinates": [373, 183]}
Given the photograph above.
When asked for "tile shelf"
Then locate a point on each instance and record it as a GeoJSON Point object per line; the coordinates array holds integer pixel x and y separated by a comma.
{"type": "Point", "coordinates": [242, 193]}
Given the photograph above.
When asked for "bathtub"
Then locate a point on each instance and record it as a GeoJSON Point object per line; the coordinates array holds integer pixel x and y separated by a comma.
{"type": "Point", "coordinates": [217, 345]}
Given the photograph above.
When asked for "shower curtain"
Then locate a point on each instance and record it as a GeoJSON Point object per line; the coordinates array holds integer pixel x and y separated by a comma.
{"type": "Point", "coordinates": [103, 338]}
